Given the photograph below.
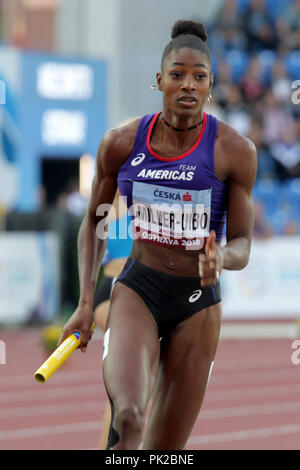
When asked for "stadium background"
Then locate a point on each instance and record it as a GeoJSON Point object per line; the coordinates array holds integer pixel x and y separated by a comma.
{"type": "Point", "coordinates": [71, 69]}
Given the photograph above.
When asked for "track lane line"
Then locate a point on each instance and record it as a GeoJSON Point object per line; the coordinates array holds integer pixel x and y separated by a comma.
{"type": "Point", "coordinates": [244, 434]}
{"type": "Point", "coordinates": [28, 433]}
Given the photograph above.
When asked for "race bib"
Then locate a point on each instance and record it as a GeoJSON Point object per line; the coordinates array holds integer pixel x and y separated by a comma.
{"type": "Point", "coordinates": [171, 217]}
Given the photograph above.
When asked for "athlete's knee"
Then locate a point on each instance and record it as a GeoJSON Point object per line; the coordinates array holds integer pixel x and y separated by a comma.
{"type": "Point", "coordinates": [126, 432]}
{"type": "Point", "coordinates": [129, 420]}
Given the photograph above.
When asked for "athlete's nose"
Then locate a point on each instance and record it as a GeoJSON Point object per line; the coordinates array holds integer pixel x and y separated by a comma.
{"type": "Point", "coordinates": [188, 84]}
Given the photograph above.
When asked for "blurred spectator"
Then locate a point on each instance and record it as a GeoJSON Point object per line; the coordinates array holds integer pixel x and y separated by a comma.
{"type": "Point", "coordinates": [72, 200]}
{"type": "Point", "coordinates": [222, 83]}
{"type": "Point", "coordinates": [251, 84]}
{"type": "Point", "coordinates": [297, 125]}
{"type": "Point", "coordinates": [262, 229]}
{"type": "Point", "coordinates": [266, 165]}
{"type": "Point", "coordinates": [280, 82]}
{"type": "Point", "coordinates": [288, 28]}
{"type": "Point", "coordinates": [286, 151]}
{"type": "Point", "coordinates": [228, 29]}
{"type": "Point", "coordinates": [42, 196]}
{"type": "Point", "coordinates": [259, 28]}
{"type": "Point", "coordinates": [275, 116]}
{"type": "Point", "coordinates": [291, 228]}
{"type": "Point", "coordinates": [236, 112]}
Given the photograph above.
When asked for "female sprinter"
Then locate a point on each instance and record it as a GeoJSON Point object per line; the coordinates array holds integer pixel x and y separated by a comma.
{"type": "Point", "coordinates": [185, 173]}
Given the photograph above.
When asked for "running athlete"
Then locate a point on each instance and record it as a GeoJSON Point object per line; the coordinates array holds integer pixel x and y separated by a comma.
{"type": "Point", "coordinates": [184, 174]}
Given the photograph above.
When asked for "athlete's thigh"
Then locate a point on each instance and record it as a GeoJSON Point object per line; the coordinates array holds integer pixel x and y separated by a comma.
{"type": "Point", "coordinates": [131, 349]}
{"type": "Point", "coordinates": [100, 314]}
{"type": "Point", "coordinates": [186, 359]}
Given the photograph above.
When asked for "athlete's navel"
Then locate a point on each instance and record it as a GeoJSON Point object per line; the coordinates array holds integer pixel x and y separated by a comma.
{"type": "Point", "coordinates": [170, 264]}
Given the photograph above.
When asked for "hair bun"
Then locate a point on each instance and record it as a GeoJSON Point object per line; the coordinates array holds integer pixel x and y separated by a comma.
{"type": "Point", "coordinates": [189, 27]}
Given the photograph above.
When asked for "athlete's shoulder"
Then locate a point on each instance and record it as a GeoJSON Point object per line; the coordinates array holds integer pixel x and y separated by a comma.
{"type": "Point", "coordinates": [234, 146]}
{"type": "Point", "coordinates": [116, 145]}
{"type": "Point", "coordinates": [237, 152]}
{"type": "Point", "coordinates": [121, 138]}
{"type": "Point", "coordinates": [231, 140]}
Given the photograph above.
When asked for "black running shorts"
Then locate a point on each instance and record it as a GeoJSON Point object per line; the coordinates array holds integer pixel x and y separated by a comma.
{"type": "Point", "coordinates": [170, 298]}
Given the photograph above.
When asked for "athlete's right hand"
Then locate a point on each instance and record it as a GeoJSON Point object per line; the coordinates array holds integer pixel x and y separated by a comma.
{"type": "Point", "coordinates": [81, 321]}
{"type": "Point", "coordinates": [211, 261]}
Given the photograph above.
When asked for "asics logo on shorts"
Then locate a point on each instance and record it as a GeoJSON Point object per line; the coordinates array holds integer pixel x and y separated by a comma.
{"type": "Point", "coordinates": [138, 159]}
{"type": "Point", "coordinates": [195, 296]}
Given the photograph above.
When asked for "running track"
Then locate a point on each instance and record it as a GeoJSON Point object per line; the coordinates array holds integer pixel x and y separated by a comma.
{"type": "Point", "coordinates": [252, 402]}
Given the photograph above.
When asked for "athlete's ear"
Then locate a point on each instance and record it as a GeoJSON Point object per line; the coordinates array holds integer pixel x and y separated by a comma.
{"type": "Point", "coordinates": [159, 81]}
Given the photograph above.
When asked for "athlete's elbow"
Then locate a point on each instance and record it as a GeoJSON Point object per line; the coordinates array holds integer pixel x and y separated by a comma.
{"type": "Point", "coordinates": [245, 254]}
{"type": "Point", "coordinates": [238, 263]}
{"type": "Point", "coordinates": [237, 254]}
{"type": "Point", "coordinates": [245, 261]}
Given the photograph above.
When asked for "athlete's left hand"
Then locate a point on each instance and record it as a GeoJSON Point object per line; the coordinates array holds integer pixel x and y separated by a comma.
{"type": "Point", "coordinates": [211, 262]}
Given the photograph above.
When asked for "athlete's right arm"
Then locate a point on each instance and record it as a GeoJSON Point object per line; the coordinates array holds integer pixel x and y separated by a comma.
{"type": "Point", "coordinates": [113, 150]}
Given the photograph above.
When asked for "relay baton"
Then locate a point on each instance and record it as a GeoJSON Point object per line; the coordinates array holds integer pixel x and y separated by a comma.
{"type": "Point", "coordinates": [58, 357]}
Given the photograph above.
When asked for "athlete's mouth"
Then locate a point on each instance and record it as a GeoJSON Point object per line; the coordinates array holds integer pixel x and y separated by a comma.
{"type": "Point", "coordinates": [187, 100]}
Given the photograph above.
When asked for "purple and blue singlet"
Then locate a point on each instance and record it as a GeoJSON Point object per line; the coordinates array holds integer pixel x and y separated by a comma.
{"type": "Point", "coordinates": [174, 201]}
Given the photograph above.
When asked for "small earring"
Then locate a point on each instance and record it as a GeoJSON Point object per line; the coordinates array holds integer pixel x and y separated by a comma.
{"type": "Point", "coordinates": [154, 87]}
{"type": "Point", "coordinates": [209, 97]}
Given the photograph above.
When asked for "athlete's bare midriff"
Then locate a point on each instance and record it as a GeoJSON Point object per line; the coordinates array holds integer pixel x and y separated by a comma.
{"type": "Point", "coordinates": [170, 260]}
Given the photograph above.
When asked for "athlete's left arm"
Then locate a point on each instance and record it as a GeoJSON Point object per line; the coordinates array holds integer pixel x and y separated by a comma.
{"type": "Point", "coordinates": [238, 155]}
{"type": "Point", "coordinates": [242, 159]}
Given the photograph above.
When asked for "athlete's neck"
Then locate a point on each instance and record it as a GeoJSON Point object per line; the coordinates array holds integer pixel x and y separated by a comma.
{"type": "Point", "coordinates": [181, 129]}
{"type": "Point", "coordinates": [179, 123]}
{"type": "Point", "coordinates": [181, 140]}
{"type": "Point", "coordinates": [168, 143]}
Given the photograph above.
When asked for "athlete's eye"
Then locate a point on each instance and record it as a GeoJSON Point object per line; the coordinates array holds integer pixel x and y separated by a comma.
{"type": "Point", "coordinates": [175, 75]}
{"type": "Point", "coordinates": [200, 77]}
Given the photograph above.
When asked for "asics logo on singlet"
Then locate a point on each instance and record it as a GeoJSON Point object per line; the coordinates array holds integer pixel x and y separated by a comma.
{"type": "Point", "coordinates": [195, 296]}
{"type": "Point", "coordinates": [138, 159]}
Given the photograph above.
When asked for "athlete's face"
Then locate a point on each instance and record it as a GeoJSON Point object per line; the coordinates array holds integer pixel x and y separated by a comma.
{"type": "Point", "coordinates": [185, 81]}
